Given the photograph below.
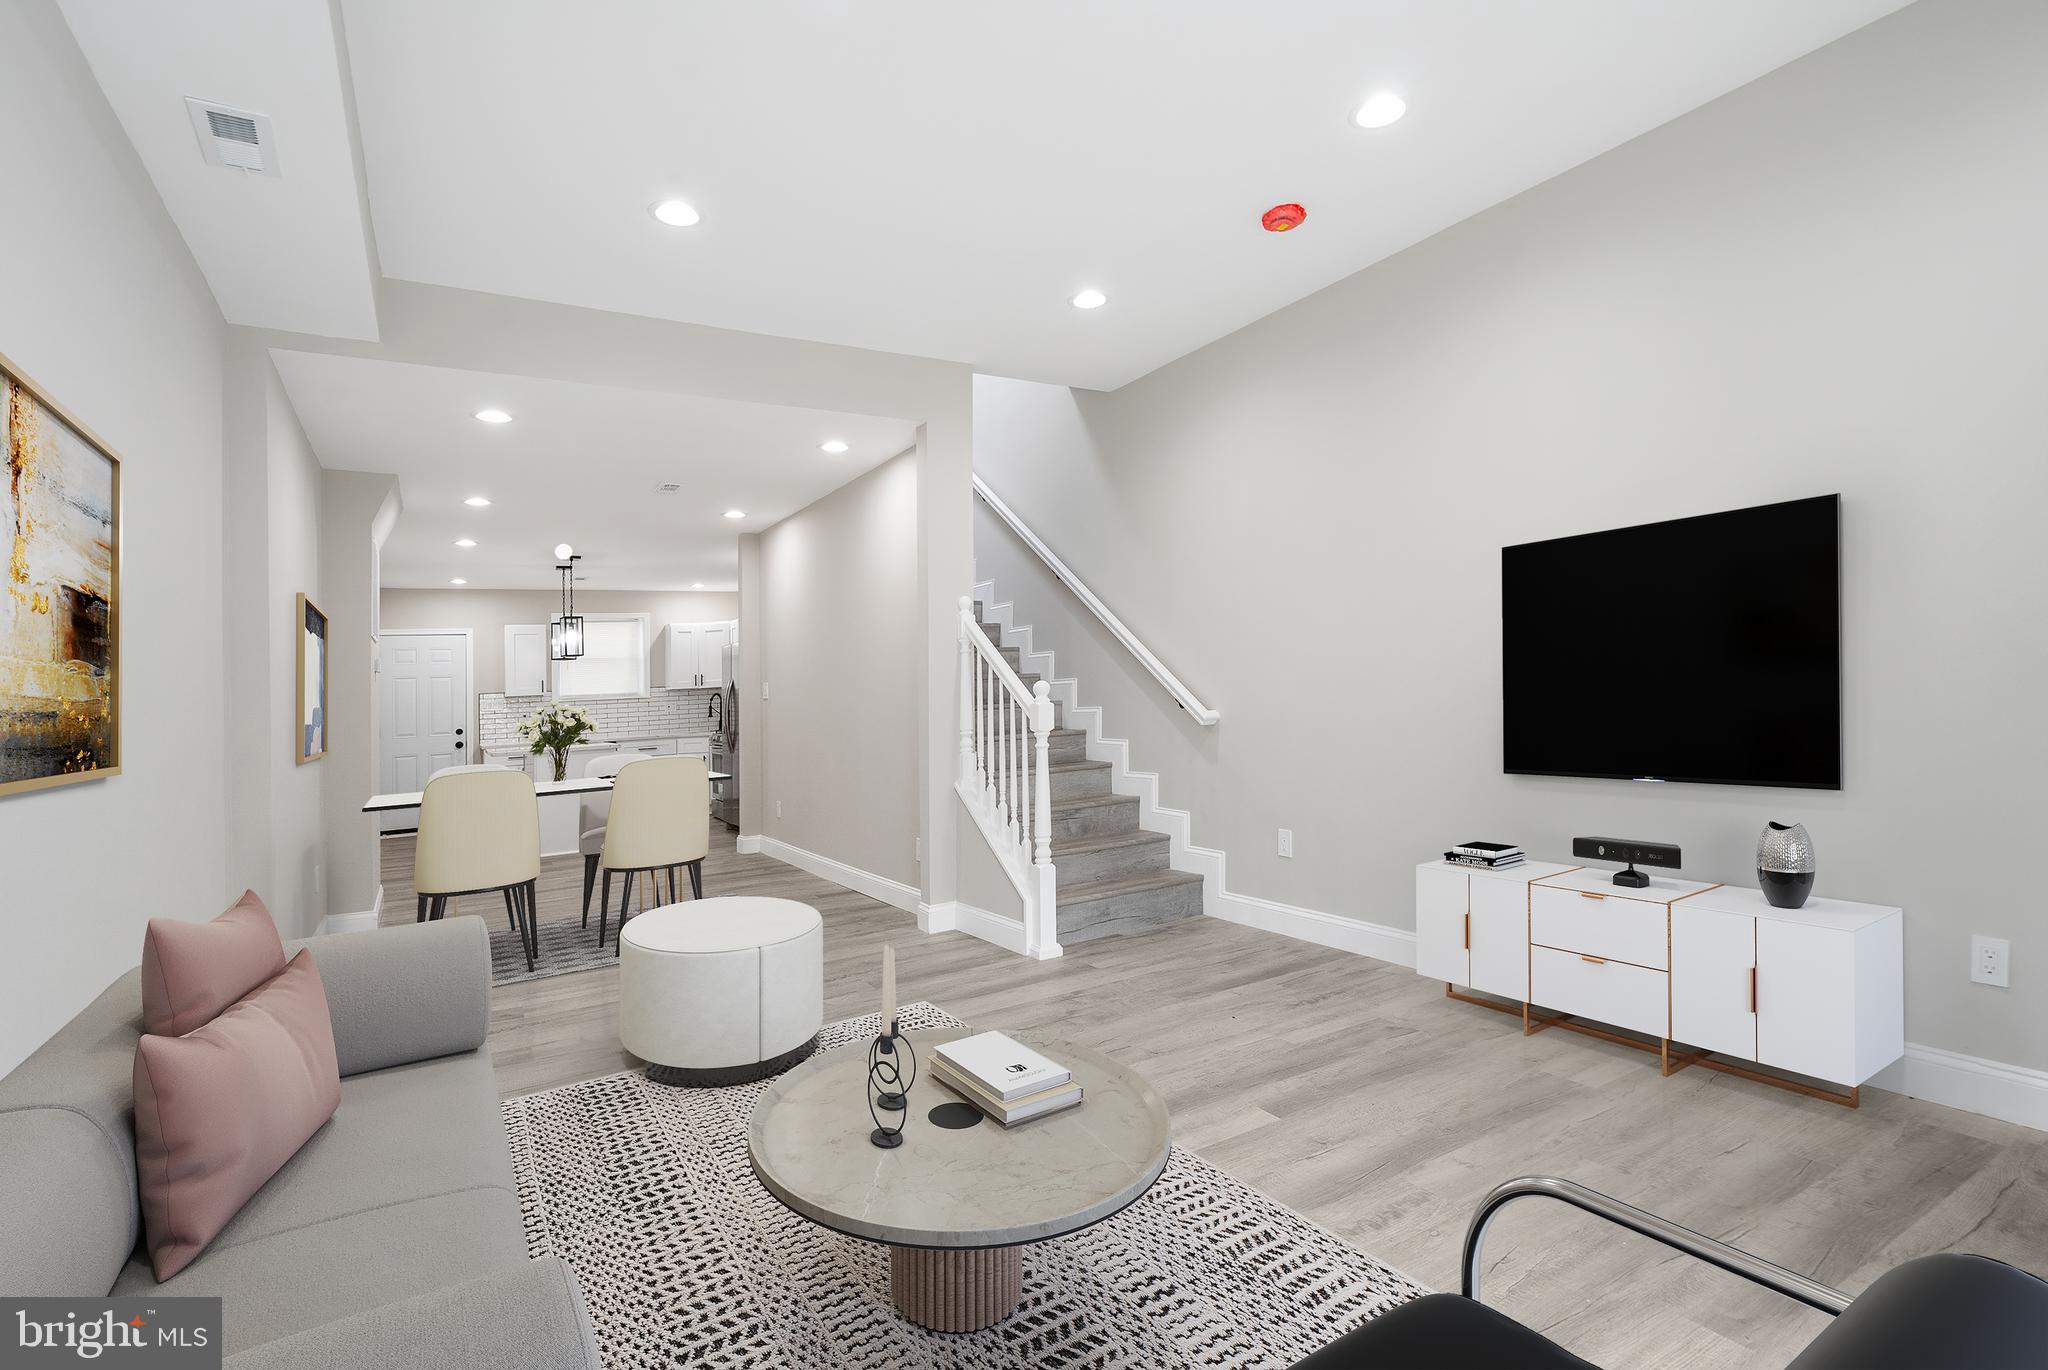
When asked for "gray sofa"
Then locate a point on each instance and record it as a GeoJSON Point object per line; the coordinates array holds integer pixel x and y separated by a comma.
{"type": "Point", "coordinates": [392, 1238]}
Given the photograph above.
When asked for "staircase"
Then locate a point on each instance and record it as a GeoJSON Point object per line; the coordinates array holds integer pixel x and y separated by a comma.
{"type": "Point", "coordinates": [1113, 876]}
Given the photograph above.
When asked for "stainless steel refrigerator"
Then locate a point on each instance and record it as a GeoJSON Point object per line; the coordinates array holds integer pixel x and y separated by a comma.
{"type": "Point", "coordinates": [725, 743]}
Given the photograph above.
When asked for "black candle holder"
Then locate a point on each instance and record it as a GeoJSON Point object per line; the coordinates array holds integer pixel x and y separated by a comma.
{"type": "Point", "coordinates": [887, 1087]}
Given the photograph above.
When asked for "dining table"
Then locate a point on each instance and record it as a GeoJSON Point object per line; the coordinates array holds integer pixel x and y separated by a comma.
{"type": "Point", "coordinates": [544, 789]}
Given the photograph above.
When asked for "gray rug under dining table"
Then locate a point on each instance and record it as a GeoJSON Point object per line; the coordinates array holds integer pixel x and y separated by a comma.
{"type": "Point", "coordinates": [646, 1191]}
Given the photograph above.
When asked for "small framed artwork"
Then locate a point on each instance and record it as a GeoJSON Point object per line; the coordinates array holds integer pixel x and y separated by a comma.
{"type": "Point", "coordinates": [309, 736]}
{"type": "Point", "coordinates": [60, 594]}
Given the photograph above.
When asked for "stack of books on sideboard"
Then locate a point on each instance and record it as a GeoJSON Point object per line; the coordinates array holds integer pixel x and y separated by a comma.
{"type": "Point", "coordinates": [1492, 856]}
{"type": "Point", "coordinates": [1003, 1078]}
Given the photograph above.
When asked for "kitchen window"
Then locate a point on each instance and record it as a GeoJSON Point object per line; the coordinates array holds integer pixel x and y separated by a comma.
{"type": "Point", "coordinates": [614, 660]}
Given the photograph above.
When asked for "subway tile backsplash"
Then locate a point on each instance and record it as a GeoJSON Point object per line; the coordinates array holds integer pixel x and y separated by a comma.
{"type": "Point", "coordinates": [663, 713]}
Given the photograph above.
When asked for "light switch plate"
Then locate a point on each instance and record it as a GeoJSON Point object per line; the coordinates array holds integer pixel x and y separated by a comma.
{"type": "Point", "coordinates": [1991, 961]}
{"type": "Point", "coordinates": [1287, 842]}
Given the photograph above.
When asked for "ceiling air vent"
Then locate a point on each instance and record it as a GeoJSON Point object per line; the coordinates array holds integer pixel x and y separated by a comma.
{"type": "Point", "coordinates": [233, 137]}
{"type": "Point", "coordinates": [668, 487]}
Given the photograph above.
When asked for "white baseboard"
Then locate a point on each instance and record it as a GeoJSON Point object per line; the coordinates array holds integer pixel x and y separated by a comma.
{"type": "Point", "coordinates": [892, 892]}
{"type": "Point", "coordinates": [1313, 925]}
{"type": "Point", "coordinates": [2015, 1094]}
{"type": "Point", "coordinates": [748, 844]}
{"type": "Point", "coordinates": [363, 921]}
{"type": "Point", "coordinates": [956, 916]}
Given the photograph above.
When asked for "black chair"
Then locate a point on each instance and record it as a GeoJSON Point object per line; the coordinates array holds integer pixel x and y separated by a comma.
{"type": "Point", "coordinates": [1942, 1312]}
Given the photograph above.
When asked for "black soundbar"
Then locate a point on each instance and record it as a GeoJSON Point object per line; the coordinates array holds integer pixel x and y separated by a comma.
{"type": "Point", "coordinates": [1628, 852]}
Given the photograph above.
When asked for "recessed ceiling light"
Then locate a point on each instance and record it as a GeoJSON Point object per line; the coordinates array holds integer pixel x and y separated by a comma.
{"type": "Point", "coordinates": [696, 585]}
{"type": "Point", "coordinates": [458, 581]}
{"type": "Point", "coordinates": [834, 446]}
{"type": "Point", "coordinates": [493, 416]}
{"type": "Point", "coordinates": [1380, 110]}
{"type": "Point", "coordinates": [1089, 299]}
{"type": "Point", "coordinates": [465, 542]}
{"type": "Point", "coordinates": [735, 513]}
{"type": "Point", "coordinates": [563, 551]}
{"type": "Point", "coordinates": [477, 502]}
{"type": "Point", "coordinates": [676, 214]}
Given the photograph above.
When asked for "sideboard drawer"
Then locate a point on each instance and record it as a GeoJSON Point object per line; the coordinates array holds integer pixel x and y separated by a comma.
{"type": "Point", "coordinates": [1605, 991]}
{"type": "Point", "coordinates": [1604, 925]}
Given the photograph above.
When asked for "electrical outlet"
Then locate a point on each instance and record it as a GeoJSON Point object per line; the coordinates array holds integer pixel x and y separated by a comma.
{"type": "Point", "coordinates": [778, 808]}
{"type": "Point", "coordinates": [316, 877]}
{"type": "Point", "coordinates": [1991, 961]}
{"type": "Point", "coordinates": [1287, 843]}
{"type": "Point", "coordinates": [764, 689]}
{"type": "Point", "coordinates": [917, 847]}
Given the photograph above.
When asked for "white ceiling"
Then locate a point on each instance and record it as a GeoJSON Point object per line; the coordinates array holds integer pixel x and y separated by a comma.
{"type": "Point", "coordinates": [290, 251]}
{"type": "Point", "coordinates": [577, 464]}
{"type": "Point", "coordinates": [937, 178]}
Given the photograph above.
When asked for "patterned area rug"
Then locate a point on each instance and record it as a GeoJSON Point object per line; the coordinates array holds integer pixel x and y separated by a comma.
{"type": "Point", "coordinates": [645, 1190]}
{"type": "Point", "coordinates": [566, 946]}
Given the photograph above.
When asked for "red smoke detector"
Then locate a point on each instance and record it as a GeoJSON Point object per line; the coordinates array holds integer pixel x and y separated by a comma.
{"type": "Point", "coordinates": [1280, 218]}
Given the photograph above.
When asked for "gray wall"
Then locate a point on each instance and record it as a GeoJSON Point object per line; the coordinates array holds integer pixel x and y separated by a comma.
{"type": "Point", "coordinates": [104, 308]}
{"type": "Point", "coordinates": [1829, 280]}
{"type": "Point", "coordinates": [840, 645]}
{"type": "Point", "coordinates": [270, 554]}
{"type": "Point", "coordinates": [357, 511]}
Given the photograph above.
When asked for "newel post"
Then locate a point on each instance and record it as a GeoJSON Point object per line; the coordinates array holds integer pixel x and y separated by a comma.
{"type": "Point", "coordinates": [966, 695]}
{"type": "Point", "coordinates": [1041, 814]}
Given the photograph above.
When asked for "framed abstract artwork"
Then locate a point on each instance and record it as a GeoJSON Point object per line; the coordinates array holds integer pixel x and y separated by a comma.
{"type": "Point", "coordinates": [60, 611]}
{"type": "Point", "coordinates": [309, 733]}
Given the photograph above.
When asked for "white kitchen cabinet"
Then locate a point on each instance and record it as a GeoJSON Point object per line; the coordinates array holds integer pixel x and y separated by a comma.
{"type": "Point", "coordinates": [526, 659]}
{"type": "Point", "coordinates": [690, 656]}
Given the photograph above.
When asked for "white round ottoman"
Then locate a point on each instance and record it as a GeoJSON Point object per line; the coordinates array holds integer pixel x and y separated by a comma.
{"type": "Point", "coordinates": [715, 991]}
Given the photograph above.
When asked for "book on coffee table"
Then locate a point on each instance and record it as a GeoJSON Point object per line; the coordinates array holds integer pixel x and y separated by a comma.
{"type": "Point", "coordinates": [1018, 1110]}
{"type": "Point", "coordinates": [1002, 1067]}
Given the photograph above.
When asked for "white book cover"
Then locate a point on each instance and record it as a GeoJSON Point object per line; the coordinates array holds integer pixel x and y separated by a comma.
{"type": "Point", "coordinates": [1006, 1068]}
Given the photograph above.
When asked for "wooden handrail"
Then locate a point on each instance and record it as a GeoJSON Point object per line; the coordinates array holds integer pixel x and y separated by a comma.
{"type": "Point", "coordinates": [1182, 695]}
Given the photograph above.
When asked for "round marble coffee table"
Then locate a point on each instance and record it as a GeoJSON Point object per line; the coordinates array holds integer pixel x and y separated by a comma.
{"type": "Point", "coordinates": [955, 1207]}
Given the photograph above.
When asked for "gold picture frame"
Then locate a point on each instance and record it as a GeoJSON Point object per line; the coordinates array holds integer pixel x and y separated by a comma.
{"type": "Point", "coordinates": [309, 713]}
{"type": "Point", "coordinates": [60, 594]}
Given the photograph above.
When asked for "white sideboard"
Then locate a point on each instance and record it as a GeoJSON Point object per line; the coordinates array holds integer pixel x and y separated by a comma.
{"type": "Point", "coordinates": [1713, 973]}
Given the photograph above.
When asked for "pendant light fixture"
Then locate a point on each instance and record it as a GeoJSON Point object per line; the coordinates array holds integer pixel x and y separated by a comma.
{"type": "Point", "coordinates": [565, 634]}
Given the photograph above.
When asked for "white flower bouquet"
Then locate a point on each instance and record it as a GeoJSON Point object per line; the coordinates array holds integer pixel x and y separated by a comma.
{"type": "Point", "coordinates": [554, 729]}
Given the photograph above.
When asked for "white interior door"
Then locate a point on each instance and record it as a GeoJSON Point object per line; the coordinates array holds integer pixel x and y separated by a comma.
{"type": "Point", "coordinates": [423, 714]}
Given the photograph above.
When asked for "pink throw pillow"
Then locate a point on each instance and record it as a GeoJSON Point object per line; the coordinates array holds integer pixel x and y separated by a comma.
{"type": "Point", "coordinates": [219, 1110]}
{"type": "Point", "coordinates": [191, 971]}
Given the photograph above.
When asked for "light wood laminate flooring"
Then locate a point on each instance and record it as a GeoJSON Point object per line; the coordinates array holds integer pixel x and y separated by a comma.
{"type": "Point", "coordinates": [1354, 1092]}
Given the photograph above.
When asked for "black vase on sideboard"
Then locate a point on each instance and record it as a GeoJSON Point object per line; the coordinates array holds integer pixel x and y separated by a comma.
{"type": "Point", "coordinates": [1785, 864]}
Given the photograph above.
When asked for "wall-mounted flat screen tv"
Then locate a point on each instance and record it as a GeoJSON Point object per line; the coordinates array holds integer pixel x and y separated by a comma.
{"type": "Point", "coordinates": [1704, 649]}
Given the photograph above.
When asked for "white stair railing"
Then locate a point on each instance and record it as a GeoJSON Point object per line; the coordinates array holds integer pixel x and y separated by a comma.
{"type": "Point", "coordinates": [1005, 781]}
{"type": "Point", "coordinates": [1182, 695]}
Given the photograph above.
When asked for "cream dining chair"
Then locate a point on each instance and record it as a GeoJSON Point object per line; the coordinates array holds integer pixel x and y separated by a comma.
{"type": "Point", "coordinates": [595, 809]}
{"type": "Point", "coordinates": [479, 833]}
{"type": "Point", "coordinates": [660, 819]}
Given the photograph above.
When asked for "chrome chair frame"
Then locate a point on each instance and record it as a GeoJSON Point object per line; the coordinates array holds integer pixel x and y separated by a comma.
{"type": "Point", "coordinates": [1735, 1261]}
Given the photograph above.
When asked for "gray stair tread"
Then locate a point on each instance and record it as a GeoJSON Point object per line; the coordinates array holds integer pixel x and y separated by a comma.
{"type": "Point", "coordinates": [1103, 841]}
{"type": "Point", "coordinates": [1089, 890]}
{"type": "Point", "coordinates": [1081, 765]}
{"type": "Point", "coordinates": [1089, 801]}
